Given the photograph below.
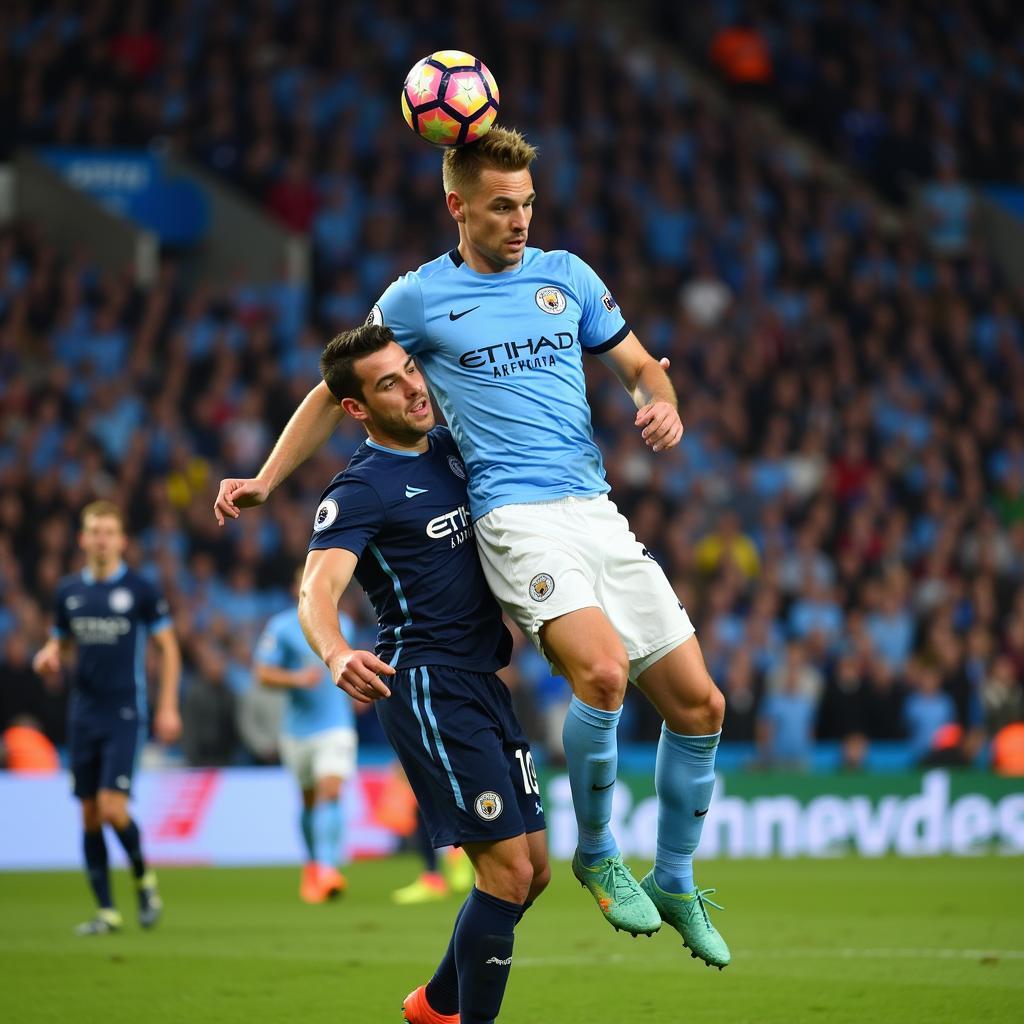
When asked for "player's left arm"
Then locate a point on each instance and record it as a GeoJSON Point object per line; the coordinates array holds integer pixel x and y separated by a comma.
{"type": "Point", "coordinates": [647, 383]}
{"type": "Point", "coordinates": [167, 720]}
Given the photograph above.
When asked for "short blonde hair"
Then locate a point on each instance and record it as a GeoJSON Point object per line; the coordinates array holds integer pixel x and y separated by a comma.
{"type": "Point", "coordinates": [103, 507]}
{"type": "Point", "coordinates": [501, 149]}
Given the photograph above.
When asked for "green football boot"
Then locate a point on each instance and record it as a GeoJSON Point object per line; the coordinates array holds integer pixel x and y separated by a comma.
{"type": "Point", "coordinates": [687, 913]}
{"type": "Point", "coordinates": [624, 904]}
{"type": "Point", "coordinates": [106, 922]}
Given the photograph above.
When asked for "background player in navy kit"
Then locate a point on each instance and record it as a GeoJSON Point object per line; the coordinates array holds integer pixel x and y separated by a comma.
{"type": "Point", "coordinates": [500, 330]}
{"type": "Point", "coordinates": [105, 613]}
{"type": "Point", "coordinates": [397, 519]}
{"type": "Point", "coordinates": [318, 745]}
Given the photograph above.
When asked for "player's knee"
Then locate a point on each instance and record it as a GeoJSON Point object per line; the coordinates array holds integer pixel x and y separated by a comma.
{"type": "Point", "coordinates": [602, 683]}
{"type": "Point", "coordinates": [513, 880]}
{"type": "Point", "coordinates": [328, 788]}
{"type": "Point", "coordinates": [541, 878]}
{"type": "Point", "coordinates": [91, 820]}
{"type": "Point", "coordinates": [715, 709]}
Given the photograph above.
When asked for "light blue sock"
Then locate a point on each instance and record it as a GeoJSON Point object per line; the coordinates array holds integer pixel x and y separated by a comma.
{"type": "Point", "coordinates": [327, 833]}
{"type": "Point", "coordinates": [684, 777]}
{"type": "Point", "coordinates": [306, 824]}
{"type": "Point", "coordinates": [592, 756]}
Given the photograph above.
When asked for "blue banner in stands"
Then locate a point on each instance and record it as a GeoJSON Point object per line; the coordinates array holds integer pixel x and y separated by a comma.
{"type": "Point", "coordinates": [134, 184]}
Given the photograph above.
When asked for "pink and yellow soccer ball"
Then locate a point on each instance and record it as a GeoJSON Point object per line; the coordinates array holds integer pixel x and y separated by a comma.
{"type": "Point", "coordinates": [450, 98]}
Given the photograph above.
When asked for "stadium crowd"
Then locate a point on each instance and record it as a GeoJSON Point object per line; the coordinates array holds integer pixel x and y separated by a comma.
{"type": "Point", "coordinates": [904, 92]}
{"type": "Point", "coordinates": [844, 518]}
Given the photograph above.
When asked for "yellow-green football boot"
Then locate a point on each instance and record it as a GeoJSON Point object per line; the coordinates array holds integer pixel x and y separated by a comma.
{"type": "Point", "coordinates": [624, 904]}
{"type": "Point", "coordinates": [687, 912]}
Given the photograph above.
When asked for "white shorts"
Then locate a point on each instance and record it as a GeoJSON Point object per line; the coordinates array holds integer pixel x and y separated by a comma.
{"type": "Point", "coordinates": [323, 754]}
{"type": "Point", "coordinates": [546, 559]}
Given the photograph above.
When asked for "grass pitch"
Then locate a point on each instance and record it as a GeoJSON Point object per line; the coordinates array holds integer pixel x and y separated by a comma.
{"type": "Point", "coordinates": [822, 941]}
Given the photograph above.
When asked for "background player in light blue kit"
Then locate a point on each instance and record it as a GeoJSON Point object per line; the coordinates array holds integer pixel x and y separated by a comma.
{"type": "Point", "coordinates": [104, 615]}
{"type": "Point", "coordinates": [501, 331]}
{"type": "Point", "coordinates": [318, 744]}
{"type": "Point", "coordinates": [396, 519]}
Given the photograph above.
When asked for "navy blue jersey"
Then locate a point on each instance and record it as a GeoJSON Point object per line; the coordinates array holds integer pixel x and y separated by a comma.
{"type": "Point", "coordinates": [405, 516]}
{"type": "Point", "coordinates": [109, 620]}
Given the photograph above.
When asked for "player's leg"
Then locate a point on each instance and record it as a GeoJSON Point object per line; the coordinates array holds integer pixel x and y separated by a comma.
{"type": "Point", "coordinates": [297, 758]}
{"type": "Point", "coordinates": [680, 688]}
{"type": "Point", "coordinates": [585, 646]}
{"type": "Point", "coordinates": [113, 811]}
{"type": "Point", "coordinates": [97, 869]}
{"type": "Point", "coordinates": [327, 834]}
{"type": "Point", "coordinates": [430, 886]}
{"type": "Point", "coordinates": [334, 762]}
{"type": "Point", "coordinates": [119, 760]}
{"type": "Point", "coordinates": [85, 753]}
{"type": "Point", "coordinates": [541, 568]}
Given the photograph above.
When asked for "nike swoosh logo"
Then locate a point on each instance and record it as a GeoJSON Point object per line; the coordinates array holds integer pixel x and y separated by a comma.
{"type": "Point", "coordinates": [411, 492]}
{"type": "Point", "coordinates": [452, 315]}
{"type": "Point", "coordinates": [700, 814]}
{"type": "Point", "coordinates": [598, 789]}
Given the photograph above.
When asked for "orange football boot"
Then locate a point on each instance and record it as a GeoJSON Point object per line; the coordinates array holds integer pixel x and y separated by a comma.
{"type": "Point", "coordinates": [417, 1010]}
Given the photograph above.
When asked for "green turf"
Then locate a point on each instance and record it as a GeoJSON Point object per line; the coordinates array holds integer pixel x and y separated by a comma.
{"type": "Point", "coordinates": [823, 941]}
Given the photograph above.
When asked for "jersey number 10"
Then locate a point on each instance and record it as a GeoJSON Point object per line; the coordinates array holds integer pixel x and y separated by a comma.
{"type": "Point", "coordinates": [526, 766]}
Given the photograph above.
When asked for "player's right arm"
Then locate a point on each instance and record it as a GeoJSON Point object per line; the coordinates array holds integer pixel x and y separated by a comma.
{"type": "Point", "coordinates": [328, 572]}
{"type": "Point", "coordinates": [401, 308]}
{"type": "Point", "coordinates": [310, 426]}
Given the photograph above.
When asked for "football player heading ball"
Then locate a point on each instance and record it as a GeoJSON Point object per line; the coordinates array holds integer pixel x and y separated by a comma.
{"type": "Point", "coordinates": [500, 331]}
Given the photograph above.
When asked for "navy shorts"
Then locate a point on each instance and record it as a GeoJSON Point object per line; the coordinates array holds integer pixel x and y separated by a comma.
{"type": "Point", "coordinates": [103, 750]}
{"type": "Point", "coordinates": [464, 753]}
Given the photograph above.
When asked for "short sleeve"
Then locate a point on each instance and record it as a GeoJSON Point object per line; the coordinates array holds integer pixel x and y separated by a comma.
{"type": "Point", "coordinates": [401, 309]}
{"type": "Point", "coordinates": [154, 609]}
{"type": "Point", "coordinates": [602, 325]}
{"type": "Point", "coordinates": [350, 516]}
{"type": "Point", "coordinates": [270, 648]}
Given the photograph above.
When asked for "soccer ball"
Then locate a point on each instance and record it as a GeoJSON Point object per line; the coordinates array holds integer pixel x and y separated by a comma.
{"type": "Point", "coordinates": [450, 98]}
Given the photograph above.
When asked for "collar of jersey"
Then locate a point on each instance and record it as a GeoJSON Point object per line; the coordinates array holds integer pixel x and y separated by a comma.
{"type": "Point", "coordinates": [462, 265]}
{"type": "Point", "coordinates": [393, 451]}
{"type": "Point", "coordinates": [88, 577]}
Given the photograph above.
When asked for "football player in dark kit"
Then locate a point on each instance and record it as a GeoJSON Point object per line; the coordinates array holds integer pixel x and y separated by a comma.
{"type": "Point", "coordinates": [397, 519]}
{"type": "Point", "coordinates": [104, 614]}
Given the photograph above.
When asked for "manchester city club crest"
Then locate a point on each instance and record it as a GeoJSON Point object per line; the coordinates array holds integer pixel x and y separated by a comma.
{"type": "Point", "coordinates": [542, 586]}
{"type": "Point", "coordinates": [488, 805]}
{"type": "Point", "coordinates": [456, 467]}
{"type": "Point", "coordinates": [550, 299]}
{"type": "Point", "coordinates": [121, 600]}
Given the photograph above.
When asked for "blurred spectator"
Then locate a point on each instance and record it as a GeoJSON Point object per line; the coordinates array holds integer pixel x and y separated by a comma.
{"type": "Point", "coordinates": [786, 721]}
{"type": "Point", "coordinates": [928, 710]}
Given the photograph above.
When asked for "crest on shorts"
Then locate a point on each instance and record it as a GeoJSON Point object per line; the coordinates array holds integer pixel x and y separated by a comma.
{"type": "Point", "coordinates": [550, 299]}
{"type": "Point", "coordinates": [121, 600]}
{"type": "Point", "coordinates": [542, 586]}
{"type": "Point", "coordinates": [456, 467]}
{"type": "Point", "coordinates": [375, 316]}
{"type": "Point", "coordinates": [488, 805]}
{"type": "Point", "coordinates": [325, 514]}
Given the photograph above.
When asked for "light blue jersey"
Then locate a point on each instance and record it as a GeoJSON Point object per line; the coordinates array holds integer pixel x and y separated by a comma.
{"type": "Point", "coordinates": [308, 711]}
{"type": "Point", "coordinates": [504, 356]}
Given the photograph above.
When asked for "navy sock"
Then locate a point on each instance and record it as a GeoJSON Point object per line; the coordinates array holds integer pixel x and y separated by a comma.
{"type": "Point", "coordinates": [425, 846]}
{"type": "Point", "coordinates": [443, 987]}
{"type": "Point", "coordinates": [131, 840]}
{"type": "Point", "coordinates": [95, 848]}
{"type": "Point", "coordinates": [483, 951]}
